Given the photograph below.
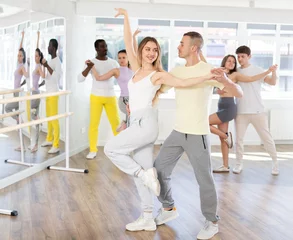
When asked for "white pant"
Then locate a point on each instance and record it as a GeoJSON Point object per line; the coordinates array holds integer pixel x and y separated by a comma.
{"type": "Point", "coordinates": [138, 139]}
{"type": "Point", "coordinates": [260, 123]}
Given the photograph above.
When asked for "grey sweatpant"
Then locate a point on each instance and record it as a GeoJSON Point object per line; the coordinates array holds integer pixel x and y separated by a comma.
{"type": "Point", "coordinates": [9, 107]}
{"type": "Point", "coordinates": [197, 148]}
{"type": "Point", "coordinates": [138, 139]}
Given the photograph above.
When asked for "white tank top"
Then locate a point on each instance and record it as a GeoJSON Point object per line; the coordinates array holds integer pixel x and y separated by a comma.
{"type": "Point", "coordinates": [142, 93]}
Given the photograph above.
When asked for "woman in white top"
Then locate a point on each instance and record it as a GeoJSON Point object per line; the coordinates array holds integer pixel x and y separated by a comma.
{"type": "Point", "coordinates": [140, 136]}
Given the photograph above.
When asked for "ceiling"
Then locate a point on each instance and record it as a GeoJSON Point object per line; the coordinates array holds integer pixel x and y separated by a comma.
{"type": "Point", "coordinates": [9, 10]}
{"type": "Point", "coordinates": [263, 4]}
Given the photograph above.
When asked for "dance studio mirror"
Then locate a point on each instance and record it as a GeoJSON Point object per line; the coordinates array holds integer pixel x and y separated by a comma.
{"type": "Point", "coordinates": [25, 52]}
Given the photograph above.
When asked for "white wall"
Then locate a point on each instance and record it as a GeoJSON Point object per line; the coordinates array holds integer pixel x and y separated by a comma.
{"type": "Point", "coordinates": [187, 12]}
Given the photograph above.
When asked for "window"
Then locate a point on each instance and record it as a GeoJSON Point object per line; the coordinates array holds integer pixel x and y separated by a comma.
{"type": "Point", "coordinates": [267, 30]}
{"type": "Point", "coordinates": [286, 66]}
{"type": "Point", "coordinates": [217, 49]}
{"type": "Point", "coordinates": [262, 53]}
{"type": "Point", "coordinates": [222, 29]}
{"type": "Point", "coordinates": [286, 31]}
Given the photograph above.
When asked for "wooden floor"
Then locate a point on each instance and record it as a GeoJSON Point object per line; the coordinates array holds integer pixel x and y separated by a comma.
{"type": "Point", "coordinates": [10, 141]}
{"type": "Point", "coordinates": [96, 206]}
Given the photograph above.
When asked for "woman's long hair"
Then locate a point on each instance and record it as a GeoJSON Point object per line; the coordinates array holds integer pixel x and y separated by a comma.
{"type": "Point", "coordinates": [24, 55]}
{"type": "Point", "coordinates": [225, 59]}
{"type": "Point", "coordinates": [40, 54]}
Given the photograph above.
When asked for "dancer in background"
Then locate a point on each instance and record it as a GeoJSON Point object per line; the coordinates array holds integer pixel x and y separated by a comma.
{"type": "Point", "coordinates": [250, 110]}
{"type": "Point", "coordinates": [54, 73]}
{"type": "Point", "coordinates": [102, 94]}
{"type": "Point", "coordinates": [39, 72]}
{"type": "Point", "coordinates": [227, 108]}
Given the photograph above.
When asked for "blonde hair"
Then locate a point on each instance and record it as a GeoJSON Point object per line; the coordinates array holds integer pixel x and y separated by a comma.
{"type": "Point", "coordinates": [157, 63]}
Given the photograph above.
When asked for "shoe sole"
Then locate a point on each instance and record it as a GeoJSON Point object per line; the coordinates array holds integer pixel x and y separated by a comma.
{"type": "Point", "coordinates": [237, 172]}
{"type": "Point", "coordinates": [217, 171]}
{"type": "Point", "coordinates": [47, 145]}
{"type": "Point", "coordinates": [167, 220]}
{"type": "Point", "coordinates": [209, 237]}
{"type": "Point", "coordinates": [142, 229]}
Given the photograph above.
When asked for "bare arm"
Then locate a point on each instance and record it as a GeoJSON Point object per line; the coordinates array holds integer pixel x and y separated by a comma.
{"type": "Point", "coordinates": [229, 86]}
{"type": "Point", "coordinates": [170, 80]}
{"type": "Point", "coordinates": [272, 80]}
{"type": "Point", "coordinates": [38, 39]}
{"type": "Point", "coordinates": [242, 78]}
{"type": "Point", "coordinates": [41, 72]}
{"type": "Point", "coordinates": [112, 73]}
{"type": "Point", "coordinates": [128, 39]}
{"type": "Point", "coordinates": [21, 42]}
{"type": "Point", "coordinates": [24, 72]}
{"type": "Point", "coordinates": [135, 47]}
{"type": "Point", "coordinates": [46, 65]}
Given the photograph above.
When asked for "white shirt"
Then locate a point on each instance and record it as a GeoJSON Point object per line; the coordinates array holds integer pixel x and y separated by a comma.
{"type": "Point", "coordinates": [53, 80]}
{"type": "Point", "coordinates": [142, 93]}
{"type": "Point", "coordinates": [102, 88]}
{"type": "Point", "coordinates": [251, 102]}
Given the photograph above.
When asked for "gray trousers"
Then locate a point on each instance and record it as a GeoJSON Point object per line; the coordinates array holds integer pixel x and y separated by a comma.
{"type": "Point", "coordinates": [35, 133]}
{"type": "Point", "coordinates": [9, 107]}
{"type": "Point", "coordinates": [138, 139]}
{"type": "Point", "coordinates": [197, 148]}
{"type": "Point", "coordinates": [122, 106]}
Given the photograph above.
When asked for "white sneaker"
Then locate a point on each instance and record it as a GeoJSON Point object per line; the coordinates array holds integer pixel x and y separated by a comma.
{"type": "Point", "coordinates": [222, 169]}
{"type": "Point", "coordinates": [238, 168]}
{"type": "Point", "coordinates": [166, 216]}
{"type": "Point", "coordinates": [46, 144]}
{"type": "Point", "coordinates": [53, 150]}
{"type": "Point", "coordinates": [275, 169]}
{"type": "Point", "coordinates": [229, 140]}
{"type": "Point", "coordinates": [91, 155]}
{"type": "Point", "coordinates": [142, 224]}
{"type": "Point", "coordinates": [150, 179]}
{"type": "Point", "coordinates": [208, 231]}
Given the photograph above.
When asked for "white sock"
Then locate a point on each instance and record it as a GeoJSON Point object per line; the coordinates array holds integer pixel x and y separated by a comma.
{"type": "Point", "coordinates": [148, 215]}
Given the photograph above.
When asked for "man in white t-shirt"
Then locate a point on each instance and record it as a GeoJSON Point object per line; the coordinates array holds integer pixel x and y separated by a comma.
{"type": "Point", "coordinates": [54, 73]}
{"type": "Point", "coordinates": [102, 94]}
{"type": "Point", "coordinates": [250, 109]}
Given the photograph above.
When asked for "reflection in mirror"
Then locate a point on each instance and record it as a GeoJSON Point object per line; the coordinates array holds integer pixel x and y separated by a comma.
{"type": "Point", "coordinates": [32, 60]}
{"type": "Point", "coordinates": [47, 42]}
{"type": "Point", "coordinates": [14, 81]}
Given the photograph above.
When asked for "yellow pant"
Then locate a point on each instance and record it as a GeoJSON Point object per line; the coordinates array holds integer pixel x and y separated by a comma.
{"type": "Point", "coordinates": [96, 107]}
{"type": "Point", "coordinates": [53, 126]}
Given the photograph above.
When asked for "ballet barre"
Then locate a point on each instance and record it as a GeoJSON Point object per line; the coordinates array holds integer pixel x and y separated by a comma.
{"type": "Point", "coordinates": [9, 212]}
{"type": "Point", "coordinates": [11, 114]}
{"type": "Point", "coordinates": [39, 121]}
{"type": "Point", "coordinates": [32, 97]}
{"type": "Point", "coordinates": [4, 91]}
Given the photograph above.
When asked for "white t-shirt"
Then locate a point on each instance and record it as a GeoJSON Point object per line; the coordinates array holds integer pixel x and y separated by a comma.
{"type": "Point", "coordinates": [193, 103]}
{"type": "Point", "coordinates": [251, 102]}
{"type": "Point", "coordinates": [102, 88]}
{"type": "Point", "coordinates": [53, 80]}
